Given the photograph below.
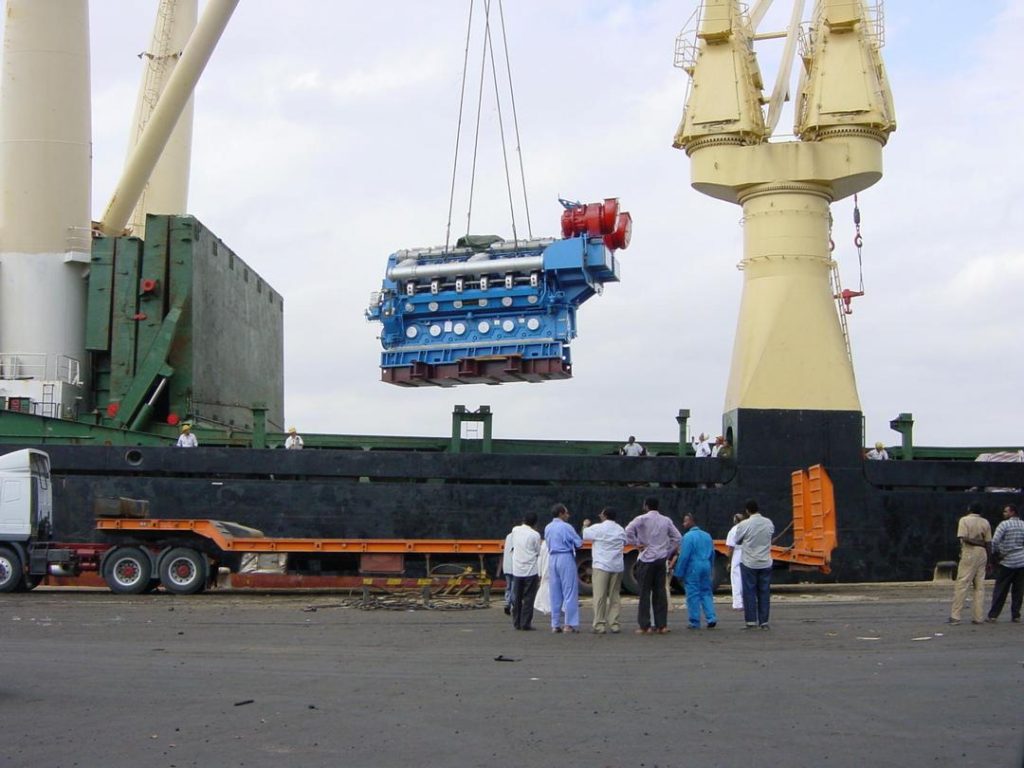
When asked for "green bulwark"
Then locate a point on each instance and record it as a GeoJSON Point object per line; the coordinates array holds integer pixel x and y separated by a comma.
{"type": "Point", "coordinates": [178, 325]}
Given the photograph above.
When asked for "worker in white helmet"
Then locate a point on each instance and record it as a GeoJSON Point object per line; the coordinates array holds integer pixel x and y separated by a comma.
{"type": "Point", "coordinates": [187, 439]}
{"type": "Point", "coordinates": [294, 441]}
{"type": "Point", "coordinates": [878, 453]}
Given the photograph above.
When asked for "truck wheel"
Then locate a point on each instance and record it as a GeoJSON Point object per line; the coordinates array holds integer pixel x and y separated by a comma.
{"type": "Point", "coordinates": [183, 571]}
{"type": "Point", "coordinates": [127, 571]}
{"type": "Point", "coordinates": [10, 570]}
{"type": "Point", "coordinates": [629, 582]}
{"type": "Point", "coordinates": [585, 576]}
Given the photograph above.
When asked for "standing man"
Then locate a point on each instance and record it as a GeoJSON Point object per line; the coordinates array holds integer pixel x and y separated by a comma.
{"type": "Point", "coordinates": [294, 441]}
{"type": "Point", "coordinates": [974, 533]}
{"type": "Point", "coordinates": [878, 453]}
{"type": "Point", "coordinates": [693, 568]}
{"type": "Point", "coordinates": [632, 448]}
{"type": "Point", "coordinates": [735, 553]}
{"type": "Point", "coordinates": [606, 556]}
{"type": "Point", "coordinates": [1008, 545]}
{"type": "Point", "coordinates": [754, 536]}
{"type": "Point", "coordinates": [524, 543]}
{"type": "Point", "coordinates": [562, 541]}
{"type": "Point", "coordinates": [702, 446]}
{"type": "Point", "coordinates": [658, 541]}
{"type": "Point", "coordinates": [186, 439]}
{"type": "Point", "coordinates": [506, 571]}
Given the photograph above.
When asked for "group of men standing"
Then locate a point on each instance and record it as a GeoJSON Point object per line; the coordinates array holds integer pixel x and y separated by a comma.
{"type": "Point", "coordinates": [531, 561]}
{"type": "Point", "coordinates": [977, 545]}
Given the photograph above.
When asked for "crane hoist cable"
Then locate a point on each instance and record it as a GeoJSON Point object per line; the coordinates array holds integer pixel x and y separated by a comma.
{"type": "Point", "coordinates": [858, 241]}
{"type": "Point", "coordinates": [845, 296]}
{"type": "Point", "coordinates": [487, 53]}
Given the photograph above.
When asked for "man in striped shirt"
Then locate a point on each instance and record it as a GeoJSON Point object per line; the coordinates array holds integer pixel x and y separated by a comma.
{"type": "Point", "coordinates": [1008, 544]}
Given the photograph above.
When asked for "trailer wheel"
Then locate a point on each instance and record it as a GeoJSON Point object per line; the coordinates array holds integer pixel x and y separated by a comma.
{"type": "Point", "coordinates": [585, 575]}
{"type": "Point", "coordinates": [629, 582]}
{"type": "Point", "coordinates": [127, 571]}
{"type": "Point", "coordinates": [10, 570]}
{"type": "Point", "coordinates": [183, 571]}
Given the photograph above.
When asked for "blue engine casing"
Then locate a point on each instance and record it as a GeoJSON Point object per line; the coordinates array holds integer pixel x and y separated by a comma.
{"type": "Point", "coordinates": [493, 313]}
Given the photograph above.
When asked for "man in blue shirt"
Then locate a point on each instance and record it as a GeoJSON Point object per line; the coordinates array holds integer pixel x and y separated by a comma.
{"type": "Point", "coordinates": [562, 541]}
{"type": "Point", "coordinates": [693, 568]}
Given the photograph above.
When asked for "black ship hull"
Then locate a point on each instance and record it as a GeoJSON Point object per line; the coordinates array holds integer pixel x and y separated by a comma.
{"type": "Point", "coordinates": [896, 519]}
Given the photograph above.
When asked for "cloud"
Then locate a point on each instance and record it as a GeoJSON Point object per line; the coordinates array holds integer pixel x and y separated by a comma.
{"type": "Point", "coordinates": [324, 146]}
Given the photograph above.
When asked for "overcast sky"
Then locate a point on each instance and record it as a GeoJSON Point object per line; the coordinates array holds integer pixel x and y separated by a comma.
{"type": "Point", "coordinates": [324, 140]}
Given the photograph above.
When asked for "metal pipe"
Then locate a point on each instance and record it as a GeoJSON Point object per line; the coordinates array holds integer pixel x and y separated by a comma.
{"type": "Point", "coordinates": [456, 268]}
{"type": "Point", "coordinates": [146, 412]}
{"type": "Point", "coordinates": [176, 95]}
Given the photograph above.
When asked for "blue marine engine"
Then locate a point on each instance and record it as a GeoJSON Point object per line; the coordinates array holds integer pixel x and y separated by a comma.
{"type": "Point", "coordinates": [492, 311]}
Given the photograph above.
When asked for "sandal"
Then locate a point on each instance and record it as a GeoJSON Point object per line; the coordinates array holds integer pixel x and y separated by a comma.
{"type": "Point", "coordinates": [663, 630]}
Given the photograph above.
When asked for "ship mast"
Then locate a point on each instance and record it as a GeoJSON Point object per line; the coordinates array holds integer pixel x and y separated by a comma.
{"type": "Point", "coordinates": [790, 352]}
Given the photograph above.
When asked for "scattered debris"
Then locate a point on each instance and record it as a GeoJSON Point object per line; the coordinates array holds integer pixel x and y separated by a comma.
{"type": "Point", "coordinates": [395, 602]}
{"type": "Point", "coordinates": [499, 657]}
{"type": "Point", "coordinates": [244, 702]}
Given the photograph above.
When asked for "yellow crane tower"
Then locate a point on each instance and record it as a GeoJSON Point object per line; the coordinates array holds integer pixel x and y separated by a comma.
{"type": "Point", "coordinates": [791, 372]}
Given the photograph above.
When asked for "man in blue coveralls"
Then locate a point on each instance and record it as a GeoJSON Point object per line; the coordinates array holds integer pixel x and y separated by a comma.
{"type": "Point", "coordinates": [693, 568]}
{"type": "Point", "coordinates": [562, 541]}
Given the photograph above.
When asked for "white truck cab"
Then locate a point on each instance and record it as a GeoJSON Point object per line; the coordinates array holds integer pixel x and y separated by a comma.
{"type": "Point", "coordinates": [26, 512]}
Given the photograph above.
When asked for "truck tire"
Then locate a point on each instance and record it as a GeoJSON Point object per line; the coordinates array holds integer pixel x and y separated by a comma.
{"type": "Point", "coordinates": [183, 571]}
{"type": "Point", "coordinates": [585, 575]}
{"type": "Point", "coordinates": [127, 571]}
{"type": "Point", "coordinates": [10, 570]}
{"type": "Point", "coordinates": [629, 582]}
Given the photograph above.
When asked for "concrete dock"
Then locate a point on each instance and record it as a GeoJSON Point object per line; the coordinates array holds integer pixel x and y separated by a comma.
{"type": "Point", "coordinates": [857, 675]}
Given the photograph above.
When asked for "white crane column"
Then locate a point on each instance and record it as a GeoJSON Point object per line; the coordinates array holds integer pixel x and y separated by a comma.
{"type": "Point", "coordinates": [45, 168]}
{"type": "Point", "coordinates": [167, 190]}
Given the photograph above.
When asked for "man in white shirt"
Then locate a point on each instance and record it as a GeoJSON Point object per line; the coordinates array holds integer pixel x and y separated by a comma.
{"type": "Point", "coordinates": [608, 539]}
{"type": "Point", "coordinates": [702, 446]}
{"type": "Point", "coordinates": [294, 441]}
{"type": "Point", "coordinates": [632, 448]}
{"type": "Point", "coordinates": [878, 453]}
{"type": "Point", "coordinates": [506, 570]}
{"type": "Point", "coordinates": [525, 544]}
{"type": "Point", "coordinates": [187, 439]}
{"type": "Point", "coordinates": [736, 553]}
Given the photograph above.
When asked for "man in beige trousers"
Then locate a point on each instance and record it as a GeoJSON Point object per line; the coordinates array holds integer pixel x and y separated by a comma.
{"type": "Point", "coordinates": [975, 534]}
{"type": "Point", "coordinates": [608, 539]}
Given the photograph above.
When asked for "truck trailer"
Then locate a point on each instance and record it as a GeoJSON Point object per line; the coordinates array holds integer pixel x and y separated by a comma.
{"type": "Point", "coordinates": [140, 554]}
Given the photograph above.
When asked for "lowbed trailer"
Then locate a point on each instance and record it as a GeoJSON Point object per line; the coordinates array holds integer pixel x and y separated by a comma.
{"type": "Point", "coordinates": [189, 555]}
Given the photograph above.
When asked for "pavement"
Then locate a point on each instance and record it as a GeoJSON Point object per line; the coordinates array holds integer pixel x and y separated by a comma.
{"type": "Point", "coordinates": [850, 675]}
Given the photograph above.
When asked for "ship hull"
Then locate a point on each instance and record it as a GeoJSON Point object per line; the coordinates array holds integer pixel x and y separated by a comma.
{"type": "Point", "coordinates": [896, 519]}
